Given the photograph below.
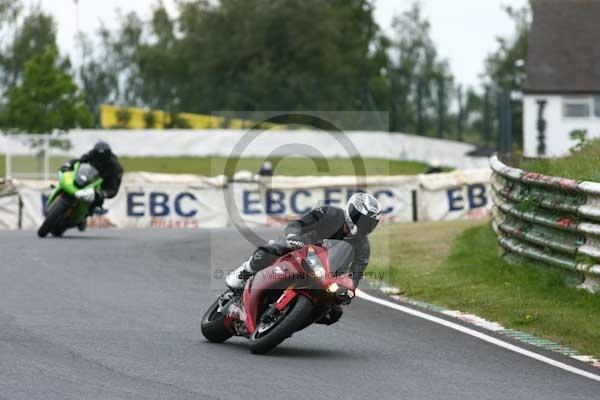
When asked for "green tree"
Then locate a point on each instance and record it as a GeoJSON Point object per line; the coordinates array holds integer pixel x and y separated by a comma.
{"type": "Point", "coordinates": [160, 65]}
{"type": "Point", "coordinates": [35, 35]}
{"type": "Point", "coordinates": [99, 75]}
{"type": "Point", "coordinates": [109, 71]}
{"type": "Point", "coordinates": [9, 10]}
{"type": "Point", "coordinates": [46, 99]}
{"type": "Point", "coordinates": [265, 56]}
{"type": "Point", "coordinates": [420, 79]}
{"type": "Point", "coordinates": [504, 68]}
{"type": "Point", "coordinates": [122, 53]}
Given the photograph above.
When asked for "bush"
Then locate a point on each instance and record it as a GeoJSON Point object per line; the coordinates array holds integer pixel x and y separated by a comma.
{"type": "Point", "coordinates": [581, 164]}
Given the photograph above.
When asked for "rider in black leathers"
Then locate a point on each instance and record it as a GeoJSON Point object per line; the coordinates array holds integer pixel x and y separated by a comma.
{"type": "Point", "coordinates": [102, 158]}
{"type": "Point", "coordinates": [352, 224]}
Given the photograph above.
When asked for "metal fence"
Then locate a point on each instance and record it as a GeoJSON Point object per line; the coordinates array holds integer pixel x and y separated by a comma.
{"type": "Point", "coordinates": [32, 158]}
{"type": "Point", "coordinates": [549, 219]}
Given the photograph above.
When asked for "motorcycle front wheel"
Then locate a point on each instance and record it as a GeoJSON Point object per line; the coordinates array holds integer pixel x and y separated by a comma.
{"type": "Point", "coordinates": [213, 325]}
{"type": "Point", "coordinates": [56, 212]}
{"type": "Point", "coordinates": [267, 336]}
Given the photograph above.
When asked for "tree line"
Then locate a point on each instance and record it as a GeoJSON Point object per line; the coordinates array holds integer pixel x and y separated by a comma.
{"type": "Point", "coordinates": [249, 55]}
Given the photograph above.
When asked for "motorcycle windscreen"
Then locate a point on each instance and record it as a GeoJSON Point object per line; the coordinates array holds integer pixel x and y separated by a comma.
{"type": "Point", "coordinates": [86, 174]}
{"type": "Point", "coordinates": [340, 255]}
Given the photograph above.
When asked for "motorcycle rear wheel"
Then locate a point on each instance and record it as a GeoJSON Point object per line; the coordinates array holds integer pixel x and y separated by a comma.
{"type": "Point", "coordinates": [293, 321]}
{"type": "Point", "coordinates": [213, 325]}
{"type": "Point", "coordinates": [55, 213]}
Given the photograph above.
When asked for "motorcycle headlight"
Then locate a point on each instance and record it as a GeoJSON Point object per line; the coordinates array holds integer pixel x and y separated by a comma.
{"type": "Point", "coordinates": [86, 194]}
{"type": "Point", "coordinates": [81, 180]}
{"type": "Point", "coordinates": [314, 263]}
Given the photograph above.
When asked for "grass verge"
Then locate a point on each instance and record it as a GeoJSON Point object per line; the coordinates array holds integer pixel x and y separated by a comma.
{"type": "Point", "coordinates": [211, 166]}
{"type": "Point", "coordinates": [581, 164]}
{"type": "Point", "coordinates": [457, 265]}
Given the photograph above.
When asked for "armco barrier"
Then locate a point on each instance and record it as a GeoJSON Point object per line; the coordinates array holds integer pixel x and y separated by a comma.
{"type": "Point", "coordinates": [549, 219]}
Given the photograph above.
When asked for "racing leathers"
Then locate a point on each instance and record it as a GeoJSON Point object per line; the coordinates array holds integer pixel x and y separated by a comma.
{"type": "Point", "coordinates": [110, 171]}
{"type": "Point", "coordinates": [327, 222]}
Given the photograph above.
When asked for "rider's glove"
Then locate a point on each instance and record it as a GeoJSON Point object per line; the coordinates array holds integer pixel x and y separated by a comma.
{"type": "Point", "coordinates": [99, 196]}
{"type": "Point", "coordinates": [293, 242]}
{"type": "Point", "coordinates": [346, 300]}
{"type": "Point", "coordinates": [87, 195]}
{"type": "Point", "coordinates": [66, 167]}
{"type": "Point", "coordinates": [345, 296]}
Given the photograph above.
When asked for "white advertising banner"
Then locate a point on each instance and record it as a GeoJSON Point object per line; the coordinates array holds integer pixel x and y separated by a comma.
{"type": "Point", "coordinates": [9, 211]}
{"type": "Point", "coordinates": [167, 206]}
{"type": "Point", "coordinates": [188, 201]}
{"type": "Point", "coordinates": [33, 195]}
{"type": "Point", "coordinates": [455, 195]}
{"type": "Point", "coordinates": [144, 201]}
{"type": "Point", "coordinates": [275, 201]}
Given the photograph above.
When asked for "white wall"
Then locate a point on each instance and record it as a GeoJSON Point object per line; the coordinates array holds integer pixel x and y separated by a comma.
{"type": "Point", "coordinates": [558, 129]}
{"type": "Point", "coordinates": [203, 143]}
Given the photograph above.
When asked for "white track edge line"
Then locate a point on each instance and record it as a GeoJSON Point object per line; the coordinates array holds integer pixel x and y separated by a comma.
{"type": "Point", "coordinates": [479, 335]}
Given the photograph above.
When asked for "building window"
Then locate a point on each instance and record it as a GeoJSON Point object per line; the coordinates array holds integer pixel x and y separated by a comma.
{"type": "Point", "coordinates": [577, 107]}
{"type": "Point", "coordinates": [597, 106]}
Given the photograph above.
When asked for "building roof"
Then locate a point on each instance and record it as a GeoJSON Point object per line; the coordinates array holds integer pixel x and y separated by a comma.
{"type": "Point", "coordinates": [564, 47]}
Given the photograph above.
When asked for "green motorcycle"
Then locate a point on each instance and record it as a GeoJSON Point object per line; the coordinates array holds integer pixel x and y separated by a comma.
{"type": "Point", "coordinates": [69, 204]}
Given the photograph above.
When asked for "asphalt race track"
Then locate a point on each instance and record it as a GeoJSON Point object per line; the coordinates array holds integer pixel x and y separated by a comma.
{"type": "Point", "coordinates": [116, 315]}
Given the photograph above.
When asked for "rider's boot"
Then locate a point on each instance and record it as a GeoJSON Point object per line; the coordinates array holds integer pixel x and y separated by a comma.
{"type": "Point", "coordinates": [100, 210]}
{"type": "Point", "coordinates": [237, 278]}
{"type": "Point", "coordinates": [82, 225]}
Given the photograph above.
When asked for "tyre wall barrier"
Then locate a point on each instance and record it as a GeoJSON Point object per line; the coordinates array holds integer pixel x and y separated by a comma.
{"type": "Point", "coordinates": [549, 219]}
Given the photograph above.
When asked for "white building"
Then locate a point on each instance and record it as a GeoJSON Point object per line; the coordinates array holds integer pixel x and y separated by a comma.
{"type": "Point", "coordinates": [562, 90]}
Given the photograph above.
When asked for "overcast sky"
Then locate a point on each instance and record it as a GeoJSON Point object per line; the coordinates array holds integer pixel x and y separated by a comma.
{"type": "Point", "coordinates": [464, 30]}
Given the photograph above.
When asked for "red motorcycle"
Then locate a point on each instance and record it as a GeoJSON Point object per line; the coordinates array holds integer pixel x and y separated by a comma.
{"type": "Point", "coordinates": [298, 289]}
